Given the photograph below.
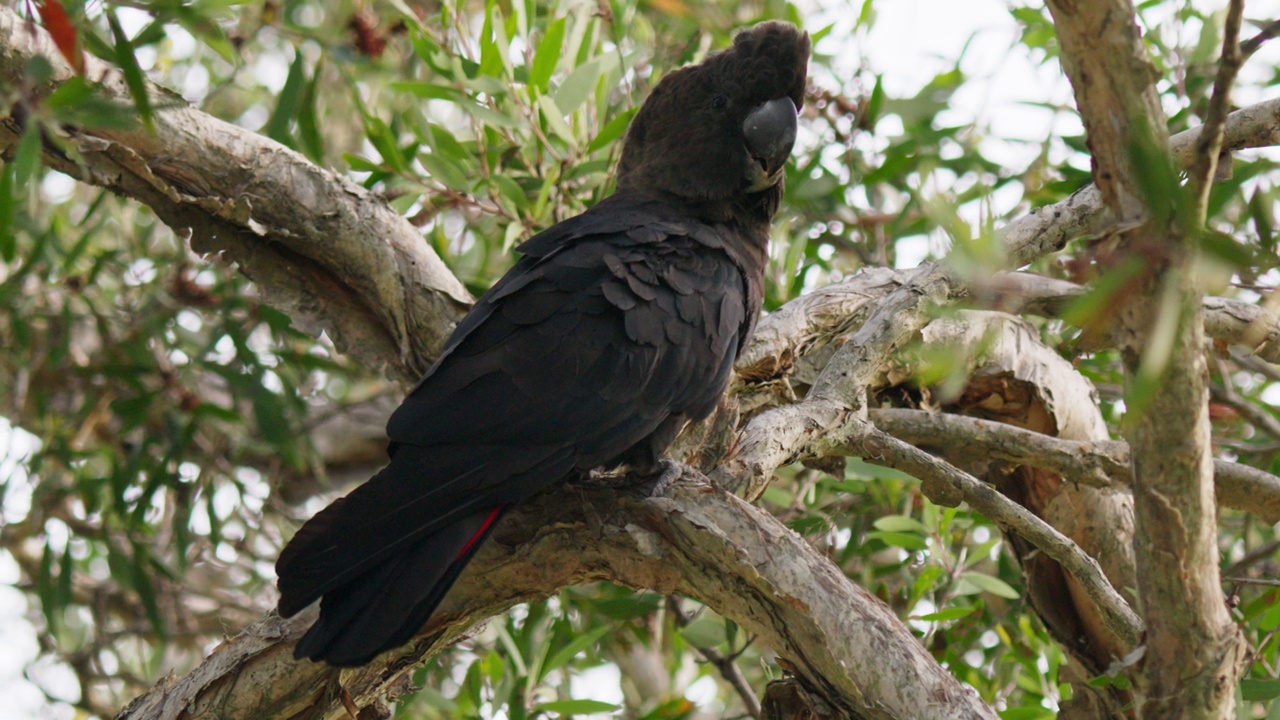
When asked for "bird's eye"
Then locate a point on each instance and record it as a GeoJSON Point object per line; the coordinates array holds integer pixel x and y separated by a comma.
{"type": "Point", "coordinates": [719, 102]}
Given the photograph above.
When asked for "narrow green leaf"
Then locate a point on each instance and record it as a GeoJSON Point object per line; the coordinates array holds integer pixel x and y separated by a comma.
{"type": "Point", "coordinates": [907, 541]}
{"type": "Point", "coordinates": [705, 632]}
{"type": "Point", "coordinates": [612, 130]}
{"type": "Point", "coordinates": [446, 171]}
{"type": "Point", "coordinates": [547, 56]}
{"type": "Point", "coordinates": [430, 91]}
{"type": "Point", "coordinates": [288, 103]}
{"type": "Point", "coordinates": [142, 584]}
{"type": "Point", "coordinates": [355, 162]}
{"type": "Point", "coordinates": [576, 707]}
{"type": "Point", "coordinates": [511, 192]}
{"type": "Point", "coordinates": [993, 585]}
{"type": "Point", "coordinates": [309, 137]}
{"type": "Point", "coordinates": [26, 162]}
{"type": "Point", "coordinates": [491, 52]}
{"type": "Point", "coordinates": [46, 591]}
{"type": "Point", "coordinates": [66, 570]}
{"type": "Point", "coordinates": [555, 119]}
{"type": "Point", "coordinates": [1260, 690]}
{"type": "Point", "coordinates": [133, 76]}
{"type": "Point", "coordinates": [626, 608]}
{"type": "Point", "coordinates": [899, 523]}
{"type": "Point", "coordinates": [954, 613]}
{"type": "Point", "coordinates": [582, 82]}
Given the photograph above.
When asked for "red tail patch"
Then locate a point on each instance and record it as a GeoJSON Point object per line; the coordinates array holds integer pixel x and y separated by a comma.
{"type": "Point", "coordinates": [493, 515]}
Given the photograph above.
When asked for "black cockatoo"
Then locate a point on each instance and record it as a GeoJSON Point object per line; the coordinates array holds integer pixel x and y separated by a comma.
{"type": "Point", "coordinates": [613, 330]}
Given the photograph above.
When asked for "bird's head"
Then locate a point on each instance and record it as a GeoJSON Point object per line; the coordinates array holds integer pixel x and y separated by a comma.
{"type": "Point", "coordinates": [722, 130]}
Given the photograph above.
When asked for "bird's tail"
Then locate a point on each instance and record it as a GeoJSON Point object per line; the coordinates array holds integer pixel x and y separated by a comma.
{"type": "Point", "coordinates": [384, 606]}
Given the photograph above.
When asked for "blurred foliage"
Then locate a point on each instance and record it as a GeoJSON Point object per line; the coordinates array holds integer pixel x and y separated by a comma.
{"type": "Point", "coordinates": [172, 418]}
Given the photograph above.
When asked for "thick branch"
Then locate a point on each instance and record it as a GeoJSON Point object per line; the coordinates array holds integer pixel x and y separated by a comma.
{"type": "Point", "coordinates": [1100, 464]}
{"type": "Point", "coordinates": [693, 539]}
{"type": "Point", "coordinates": [1194, 650]}
{"type": "Point", "coordinates": [334, 256]}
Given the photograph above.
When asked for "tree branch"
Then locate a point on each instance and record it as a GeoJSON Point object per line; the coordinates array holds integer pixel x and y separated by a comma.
{"type": "Point", "coordinates": [1100, 464]}
{"type": "Point", "coordinates": [1209, 144]}
{"type": "Point", "coordinates": [726, 665]}
{"type": "Point", "coordinates": [1193, 648]}
{"type": "Point", "coordinates": [947, 485]}
{"type": "Point", "coordinates": [692, 539]}
{"type": "Point", "coordinates": [334, 256]}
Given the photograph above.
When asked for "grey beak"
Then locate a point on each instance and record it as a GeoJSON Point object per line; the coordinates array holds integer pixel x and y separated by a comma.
{"type": "Point", "coordinates": [770, 133]}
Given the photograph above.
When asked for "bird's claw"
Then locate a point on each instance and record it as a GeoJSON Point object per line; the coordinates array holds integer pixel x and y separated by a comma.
{"type": "Point", "coordinates": [671, 472]}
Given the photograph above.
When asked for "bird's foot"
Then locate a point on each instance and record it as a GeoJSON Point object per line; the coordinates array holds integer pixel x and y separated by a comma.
{"type": "Point", "coordinates": [615, 478]}
{"type": "Point", "coordinates": [670, 472]}
{"type": "Point", "coordinates": [665, 473]}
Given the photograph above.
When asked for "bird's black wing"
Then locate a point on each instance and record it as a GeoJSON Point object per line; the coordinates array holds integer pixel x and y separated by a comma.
{"type": "Point", "coordinates": [614, 328]}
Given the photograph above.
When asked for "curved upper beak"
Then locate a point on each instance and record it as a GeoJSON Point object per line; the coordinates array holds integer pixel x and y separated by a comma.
{"type": "Point", "coordinates": [770, 132]}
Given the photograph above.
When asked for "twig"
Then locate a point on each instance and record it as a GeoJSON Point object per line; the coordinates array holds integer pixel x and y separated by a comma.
{"type": "Point", "coordinates": [725, 664]}
{"type": "Point", "coordinates": [1259, 418]}
{"type": "Point", "coordinates": [1253, 581]}
{"type": "Point", "coordinates": [1253, 557]}
{"type": "Point", "coordinates": [1251, 46]}
{"type": "Point", "coordinates": [1209, 144]}
{"type": "Point", "coordinates": [947, 485]}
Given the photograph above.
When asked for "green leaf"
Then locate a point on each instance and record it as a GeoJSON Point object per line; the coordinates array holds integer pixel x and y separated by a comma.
{"type": "Point", "coordinates": [547, 56]}
{"type": "Point", "coordinates": [269, 413]}
{"type": "Point", "coordinates": [573, 647]}
{"type": "Point", "coordinates": [46, 591]}
{"type": "Point", "coordinates": [309, 137]}
{"type": "Point", "coordinates": [954, 613]}
{"type": "Point", "coordinates": [907, 541]}
{"type": "Point", "coordinates": [705, 632]}
{"type": "Point", "coordinates": [446, 171]}
{"type": "Point", "coordinates": [26, 162]}
{"type": "Point", "coordinates": [63, 595]}
{"type": "Point", "coordinates": [133, 76]}
{"type": "Point", "coordinates": [576, 707]}
{"type": "Point", "coordinates": [79, 102]}
{"type": "Point", "coordinates": [355, 162]}
{"type": "Point", "coordinates": [555, 119]}
{"type": "Point", "coordinates": [1226, 248]}
{"type": "Point", "coordinates": [899, 523]}
{"type": "Point", "coordinates": [277, 127]}
{"type": "Point", "coordinates": [582, 82]}
{"type": "Point", "coordinates": [612, 130]}
{"type": "Point", "coordinates": [989, 584]}
{"type": "Point", "coordinates": [636, 605]}
{"type": "Point", "coordinates": [131, 571]}
{"type": "Point", "coordinates": [1260, 690]}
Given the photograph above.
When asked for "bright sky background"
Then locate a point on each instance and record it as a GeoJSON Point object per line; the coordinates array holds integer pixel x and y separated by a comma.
{"type": "Point", "coordinates": [911, 42]}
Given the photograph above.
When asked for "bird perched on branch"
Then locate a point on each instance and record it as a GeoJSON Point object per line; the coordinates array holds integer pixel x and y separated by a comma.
{"type": "Point", "coordinates": [613, 330]}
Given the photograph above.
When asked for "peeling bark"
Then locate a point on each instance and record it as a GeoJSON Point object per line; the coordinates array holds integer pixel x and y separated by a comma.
{"type": "Point", "coordinates": [845, 645]}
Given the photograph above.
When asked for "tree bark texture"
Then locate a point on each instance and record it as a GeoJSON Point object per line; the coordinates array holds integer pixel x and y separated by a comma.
{"type": "Point", "coordinates": [845, 645]}
{"type": "Point", "coordinates": [1194, 652]}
